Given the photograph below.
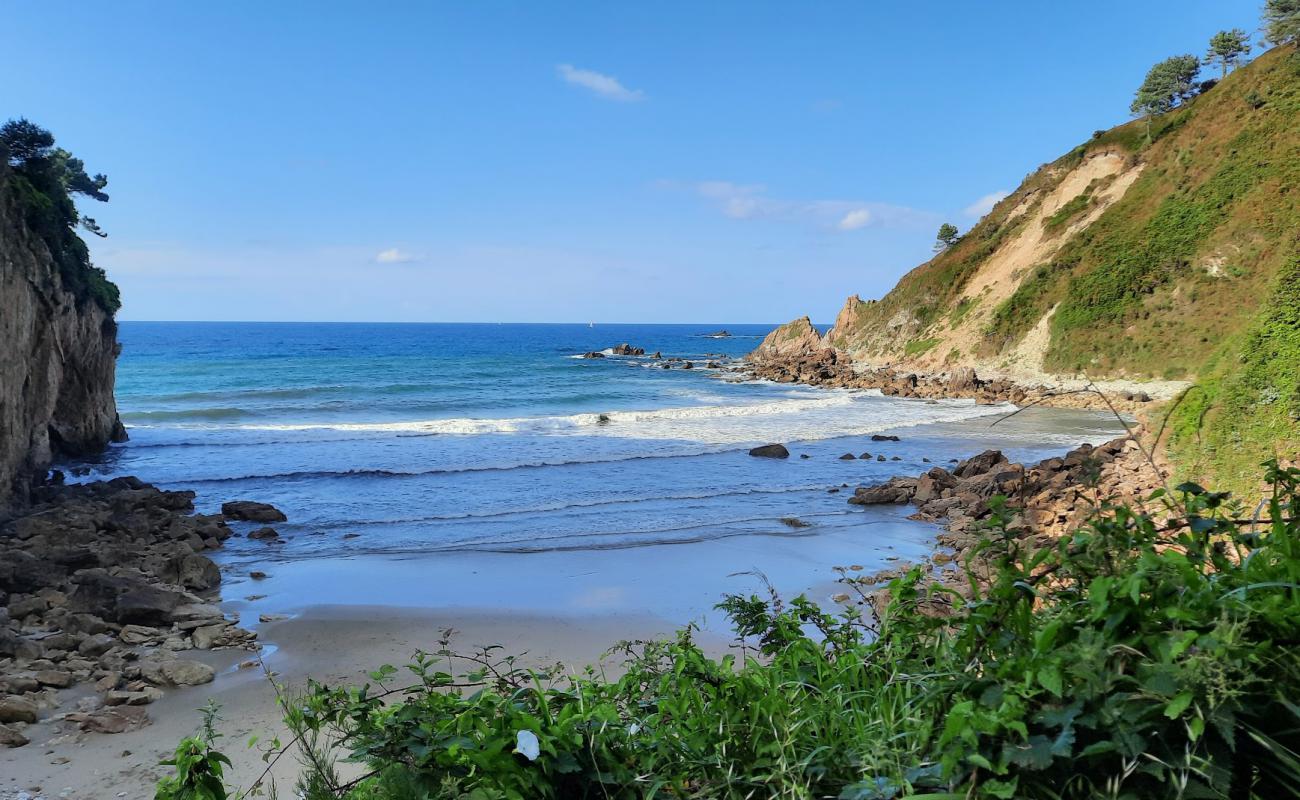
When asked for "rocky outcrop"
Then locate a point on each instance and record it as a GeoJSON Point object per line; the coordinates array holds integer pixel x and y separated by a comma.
{"type": "Point", "coordinates": [104, 583]}
{"type": "Point", "coordinates": [1048, 499]}
{"type": "Point", "coordinates": [794, 340]}
{"type": "Point", "coordinates": [58, 355]}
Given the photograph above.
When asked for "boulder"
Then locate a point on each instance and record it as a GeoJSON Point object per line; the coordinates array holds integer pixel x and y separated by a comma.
{"type": "Point", "coordinates": [848, 457]}
{"type": "Point", "coordinates": [121, 599]}
{"type": "Point", "coordinates": [593, 354]}
{"type": "Point", "coordinates": [963, 380]}
{"type": "Point", "coordinates": [978, 465]}
{"type": "Point", "coordinates": [266, 533]}
{"type": "Point", "coordinates": [54, 677]}
{"type": "Point", "coordinates": [884, 437]}
{"type": "Point", "coordinates": [628, 350]}
{"type": "Point", "coordinates": [112, 719]}
{"type": "Point", "coordinates": [770, 451]}
{"type": "Point", "coordinates": [96, 645]}
{"type": "Point", "coordinates": [11, 737]}
{"type": "Point", "coordinates": [17, 709]}
{"type": "Point", "coordinates": [176, 672]}
{"type": "Point", "coordinates": [251, 511]}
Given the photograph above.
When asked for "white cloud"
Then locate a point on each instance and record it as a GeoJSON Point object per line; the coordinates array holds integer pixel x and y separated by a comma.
{"type": "Point", "coordinates": [985, 204]}
{"type": "Point", "coordinates": [752, 201]}
{"type": "Point", "coordinates": [606, 86]}
{"type": "Point", "coordinates": [394, 256]}
{"type": "Point", "coordinates": [857, 218]}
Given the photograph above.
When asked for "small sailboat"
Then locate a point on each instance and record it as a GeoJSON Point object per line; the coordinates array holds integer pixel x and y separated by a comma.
{"type": "Point", "coordinates": [591, 324]}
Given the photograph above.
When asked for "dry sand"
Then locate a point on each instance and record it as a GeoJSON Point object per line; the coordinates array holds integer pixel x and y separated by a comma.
{"type": "Point", "coordinates": [329, 643]}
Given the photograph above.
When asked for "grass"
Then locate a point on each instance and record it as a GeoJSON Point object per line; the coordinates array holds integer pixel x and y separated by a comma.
{"type": "Point", "coordinates": [918, 346]}
{"type": "Point", "coordinates": [1246, 408]}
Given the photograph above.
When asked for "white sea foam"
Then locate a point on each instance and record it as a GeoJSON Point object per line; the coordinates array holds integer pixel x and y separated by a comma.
{"type": "Point", "coordinates": [801, 415]}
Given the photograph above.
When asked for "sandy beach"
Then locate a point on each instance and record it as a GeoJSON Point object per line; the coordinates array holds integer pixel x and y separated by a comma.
{"type": "Point", "coordinates": [329, 643]}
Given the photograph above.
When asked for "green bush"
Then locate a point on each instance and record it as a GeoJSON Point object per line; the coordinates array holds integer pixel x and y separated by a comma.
{"type": "Point", "coordinates": [1144, 656]}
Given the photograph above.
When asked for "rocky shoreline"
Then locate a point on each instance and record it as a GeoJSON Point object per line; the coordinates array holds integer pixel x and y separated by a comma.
{"type": "Point", "coordinates": [1047, 500]}
{"type": "Point", "coordinates": [828, 368]}
{"type": "Point", "coordinates": [106, 584]}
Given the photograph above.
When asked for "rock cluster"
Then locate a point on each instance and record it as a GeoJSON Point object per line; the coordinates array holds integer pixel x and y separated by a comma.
{"type": "Point", "coordinates": [626, 349]}
{"type": "Point", "coordinates": [827, 367]}
{"type": "Point", "coordinates": [1049, 498]}
{"type": "Point", "coordinates": [105, 583]}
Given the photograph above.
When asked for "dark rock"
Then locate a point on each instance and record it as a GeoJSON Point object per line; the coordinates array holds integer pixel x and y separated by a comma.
{"type": "Point", "coordinates": [881, 437]}
{"type": "Point", "coordinates": [251, 511]}
{"type": "Point", "coordinates": [628, 350]}
{"type": "Point", "coordinates": [593, 354]}
{"type": "Point", "coordinates": [848, 457]}
{"type": "Point", "coordinates": [770, 451]}
{"type": "Point", "coordinates": [264, 533]}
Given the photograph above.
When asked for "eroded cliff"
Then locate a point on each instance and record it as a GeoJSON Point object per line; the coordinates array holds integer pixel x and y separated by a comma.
{"type": "Point", "coordinates": [58, 353]}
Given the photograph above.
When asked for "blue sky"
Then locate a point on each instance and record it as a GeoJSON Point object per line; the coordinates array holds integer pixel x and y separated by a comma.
{"type": "Point", "coordinates": [493, 161]}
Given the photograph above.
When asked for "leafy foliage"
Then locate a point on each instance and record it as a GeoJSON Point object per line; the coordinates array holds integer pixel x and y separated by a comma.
{"type": "Point", "coordinates": [947, 236]}
{"type": "Point", "coordinates": [40, 180]}
{"type": "Point", "coordinates": [1282, 21]}
{"type": "Point", "coordinates": [1148, 655]}
{"type": "Point", "coordinates": [1227, 48]}
{"type": "Point", "coordinates": [1167, 84]}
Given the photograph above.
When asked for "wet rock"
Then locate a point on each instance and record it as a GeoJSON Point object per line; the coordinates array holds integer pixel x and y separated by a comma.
{"type": "Point", "coordinates": [770, 451]}
{"type": "Point", "coordinates": [882, 437]}
{"type": "Point", "coordinates": [848, 457]}
{"type": "Point", "coordinates": [266, 533]}
{"type": "Point", "coordinates": [251, 511]}
{"type": "Point", "coordinates": [593, 354]}
{"type": "Point", "coordinates": [628, 350]}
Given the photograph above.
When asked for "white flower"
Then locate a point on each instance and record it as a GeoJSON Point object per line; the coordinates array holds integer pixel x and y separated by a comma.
{"type": "Point", "coordinates": [526, 745]}
{"type": "Point", "coordinates": [634, 729]}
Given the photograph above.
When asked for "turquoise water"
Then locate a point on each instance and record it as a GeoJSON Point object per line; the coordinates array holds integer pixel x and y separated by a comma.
{"type": "Point", "coordinates": [421, 438]}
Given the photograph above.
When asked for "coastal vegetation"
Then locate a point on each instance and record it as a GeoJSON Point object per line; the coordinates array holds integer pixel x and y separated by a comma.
{"type": "Point", "coordinates": [42, 180]}
{"type": "Point", "coordinates": [1149, 654]}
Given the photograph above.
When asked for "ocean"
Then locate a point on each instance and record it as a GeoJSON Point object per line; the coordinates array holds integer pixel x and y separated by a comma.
{"type": "Point", "coordinates": [432, 438]}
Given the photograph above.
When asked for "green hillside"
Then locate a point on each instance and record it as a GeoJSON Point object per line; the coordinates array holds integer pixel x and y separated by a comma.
{"type": "Point", "coordinates": [1192, 273]}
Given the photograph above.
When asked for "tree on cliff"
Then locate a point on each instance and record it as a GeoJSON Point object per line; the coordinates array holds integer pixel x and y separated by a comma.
{"type": "Point", "coordinates": [1227, 48]}
{"type": "Point", "coordinates": [30, 150]}
{"type": "Point", "coordinates": [946, 237]}
{"type": "Point", "coordinates": [42, 180]}
{"type": "Point", "coordinates": [1167, 84]}
{"type": "Point", "coordinates": [1282, 21]}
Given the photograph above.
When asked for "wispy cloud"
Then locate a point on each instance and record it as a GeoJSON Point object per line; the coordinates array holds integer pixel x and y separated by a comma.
{"type": "Point", "coordinates": [985, 204]}
{"type": "Point", "coordinates": [752, 201]}
{"type": "Point", "coordinates": [606, 86]}
{"type": "Point", "coordinates": [857, 218]}
{"type": "Point", "coordinates": [394, 256]}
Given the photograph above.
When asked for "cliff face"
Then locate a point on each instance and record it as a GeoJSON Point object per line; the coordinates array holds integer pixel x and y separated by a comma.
{"type": "Point", "coordinates": [58, 355]}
